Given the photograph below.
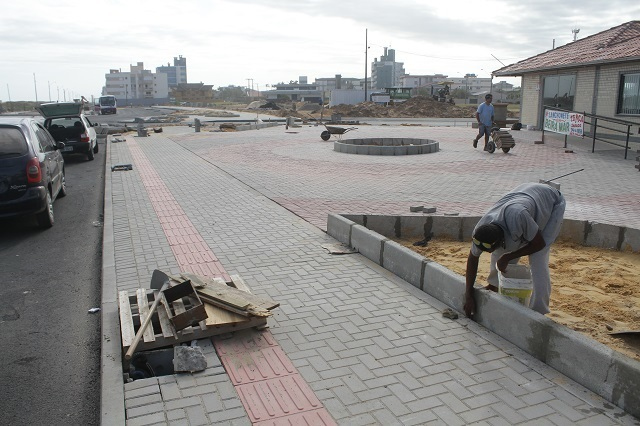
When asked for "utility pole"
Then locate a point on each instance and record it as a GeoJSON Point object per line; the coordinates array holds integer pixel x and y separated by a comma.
{"type": "Point", "coordinates": [49, 84]}
{"type": "Point", "coordinates": [366, 65]}
{"type": "Point", "coordinates": [8, 92]}
{"type": "Point", "coordinates": [35, 86]}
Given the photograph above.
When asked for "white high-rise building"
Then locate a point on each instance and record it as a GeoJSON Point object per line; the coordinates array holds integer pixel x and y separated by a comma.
{"type": "Point", "coordinates": [138, 86]}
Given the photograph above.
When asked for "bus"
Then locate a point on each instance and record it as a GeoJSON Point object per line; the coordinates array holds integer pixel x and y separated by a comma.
{"type": "Point", "coordinates": [107, 104]}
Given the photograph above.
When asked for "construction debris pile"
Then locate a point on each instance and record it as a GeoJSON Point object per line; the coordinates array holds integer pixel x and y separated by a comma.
{"type": "Point", "coordinates": [178, 309]}
{"type": "Point", "coordinates": [419, 106]}
{"type": "Point", "coordinates": [416, 107]}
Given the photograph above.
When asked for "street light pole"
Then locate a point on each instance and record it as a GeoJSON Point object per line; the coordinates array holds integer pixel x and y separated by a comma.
{"type": "Point", "coordinates": [35, 86]}
{"type": "Point", "coordinates": [366, 65]}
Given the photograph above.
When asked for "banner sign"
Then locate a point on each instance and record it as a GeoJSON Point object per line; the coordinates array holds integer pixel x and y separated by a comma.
{"type": "Point", "coordinates": [566, 123]}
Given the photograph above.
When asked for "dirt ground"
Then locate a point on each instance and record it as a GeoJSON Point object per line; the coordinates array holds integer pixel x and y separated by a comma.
{"type": "Point", "coordinates": [594, 291]}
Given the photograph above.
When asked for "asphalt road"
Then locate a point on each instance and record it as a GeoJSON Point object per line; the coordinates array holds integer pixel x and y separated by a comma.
{"type": "Point", "coordinates": [50, 344]}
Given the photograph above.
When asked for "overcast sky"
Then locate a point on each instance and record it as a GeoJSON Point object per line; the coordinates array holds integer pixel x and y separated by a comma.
{"type": "Point", "coordinates": [59, 48]}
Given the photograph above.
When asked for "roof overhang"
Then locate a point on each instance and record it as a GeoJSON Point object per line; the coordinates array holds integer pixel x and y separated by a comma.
{"type": "Point", "coordinates": [521, 72]}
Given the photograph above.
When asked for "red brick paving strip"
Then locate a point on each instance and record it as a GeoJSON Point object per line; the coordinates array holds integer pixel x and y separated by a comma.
{"type": "Point", "coordinates": [268, 384]}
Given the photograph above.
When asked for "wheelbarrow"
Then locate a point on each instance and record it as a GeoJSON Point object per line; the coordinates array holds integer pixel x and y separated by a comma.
{"type": "Point", "coordinates": [333, 130]}
{"type": "Point", "coordinates": [500, 139]}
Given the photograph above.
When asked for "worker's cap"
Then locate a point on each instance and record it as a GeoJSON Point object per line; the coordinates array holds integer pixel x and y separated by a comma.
{"type": "Point", "coordinates": [488, 237]}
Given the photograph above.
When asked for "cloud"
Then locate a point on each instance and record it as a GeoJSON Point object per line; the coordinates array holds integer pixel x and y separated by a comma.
{"type": "Point", "coordinates": [226, 42]}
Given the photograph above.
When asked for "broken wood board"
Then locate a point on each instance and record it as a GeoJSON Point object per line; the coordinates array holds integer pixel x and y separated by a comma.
{"type": "Point", "coordinates": [216, 292]}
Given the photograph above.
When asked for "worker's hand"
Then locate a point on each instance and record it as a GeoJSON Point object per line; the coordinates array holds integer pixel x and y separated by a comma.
{"type": "Point", "coordinates": [469, 305]}
{"type": "Point", "coordinates": [502, 263]}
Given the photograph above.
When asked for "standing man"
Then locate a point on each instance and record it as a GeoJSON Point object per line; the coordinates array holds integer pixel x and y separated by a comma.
{"type": "Point", "coordinates": [484, 116]}
{"type": "Point", "coordinates": [524, 222]}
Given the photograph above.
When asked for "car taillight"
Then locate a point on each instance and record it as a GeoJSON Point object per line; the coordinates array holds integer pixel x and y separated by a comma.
{"type": "Point", "coordinates": [34, 173]}
{"type": "Point", "coordinates": [84, 137]}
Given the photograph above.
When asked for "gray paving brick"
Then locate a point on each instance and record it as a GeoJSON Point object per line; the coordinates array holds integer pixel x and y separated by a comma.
{"type": "Point", "coordinates": [197, 415]}
{"type": "Point", "coordinates": [536, 411]}
{"type": "Point", "coordinates": [152, 419]}
{"type": "Point", "coordinates": [145, 410]}
{"type": "Point", "coordinates": [176, 414]}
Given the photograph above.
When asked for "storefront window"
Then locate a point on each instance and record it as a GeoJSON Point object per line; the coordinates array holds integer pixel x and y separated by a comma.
{"type": "Point", "coordinates": [559, 91]}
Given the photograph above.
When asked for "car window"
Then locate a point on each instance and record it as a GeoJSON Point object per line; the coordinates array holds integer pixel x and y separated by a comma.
{"type": "Point", "coordinates": [12, 142]}
{"type": "Point", "coordinates": [46, 142]}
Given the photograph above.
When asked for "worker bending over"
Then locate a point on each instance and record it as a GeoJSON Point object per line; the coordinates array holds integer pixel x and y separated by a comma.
{"type": "Point", "coordinates": [524, 222]}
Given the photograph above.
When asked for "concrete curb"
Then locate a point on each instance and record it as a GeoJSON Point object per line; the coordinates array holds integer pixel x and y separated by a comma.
{"type": "Point", "coordinates": [111, 383]}
{"type": "Point", "coordinates": [595, 366]}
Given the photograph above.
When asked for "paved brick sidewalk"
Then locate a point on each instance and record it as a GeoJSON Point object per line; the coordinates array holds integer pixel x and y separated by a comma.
{"type": "Point", "coordinates": [374, 349]}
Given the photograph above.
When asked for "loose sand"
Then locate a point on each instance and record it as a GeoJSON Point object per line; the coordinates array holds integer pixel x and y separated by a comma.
{"type": "Point", "coordinates": [594, 291]}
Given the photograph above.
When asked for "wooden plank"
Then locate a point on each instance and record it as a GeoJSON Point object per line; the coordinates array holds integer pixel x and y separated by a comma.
{"type": "Point", "coordinates": [236, 298]}
{"type": "Point", "coordinates": [249, 310]}
{"type": "Point", "coordinates": [240, 284]}
{"type": "Point", "coordinates": [178, 307]}
{"type": "Point", "coordinates": [163, 317]}
{"type": "Point", "coordinates": [143, 312]}
{"type": "Point", "coordinates": [218, 316]}
{"type": "Point", "coordinates": [126, 319]}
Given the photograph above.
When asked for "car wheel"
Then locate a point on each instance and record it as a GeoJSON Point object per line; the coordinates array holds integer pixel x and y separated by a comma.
{"type": "Point", "coordinates": [63, 187]}
{"type": "Point", "coordinates": [90, 155]}
{"type": "Point", "coordinates": [45, 218]}
{"type": "Point", "coordinates": [95, 148]}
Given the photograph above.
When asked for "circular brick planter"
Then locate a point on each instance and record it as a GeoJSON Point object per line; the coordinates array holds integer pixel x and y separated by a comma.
{"type": "Point", "coordinates": [386, 146]}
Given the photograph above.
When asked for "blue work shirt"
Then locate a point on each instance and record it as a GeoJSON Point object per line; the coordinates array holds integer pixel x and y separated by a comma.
{"type": "Point", "coordinates": [485, 113]}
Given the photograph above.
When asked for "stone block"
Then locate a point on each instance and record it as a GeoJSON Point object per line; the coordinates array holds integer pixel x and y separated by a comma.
{"type": "Point", "coordinates": [625, 377]}
{"type": "Point", "coordinates": [375, 150]}
{"type": "Point", "coordinates": [387, 150]}
{"type": "Point", "coordinates": [357, 218]}
{"type": "Point", "coordinates": [412, 227]}
{"type": "Point", "coordinates": [414, 149]}
{"type": "Point", "coordinates": [631, 240]}
{"type": "Point", "coordinates": [389, 226]}
{"type": "Point", "coordinates": [447, 227]}
{"type": "Point", "coordinates": [468, 225]}
{"type": "Point", "coordinates": [368, 243]}
{"type": "Point", "coordinates": [525, 328]}
{"type": "Point", "coordinates": [404, 262]}
{"type": "Point", "coordinates": [603, 235]}
{"type": "Point", "coordinates": [581, 358]}
{"type": "Point", "coordinates": [444, 284]}
{"type": "Point", "coordinates": [573, 230]}
{"type": "Point", "coordinates": [339, 228]}
{"type": "Point", "coordinates": [362, 149]}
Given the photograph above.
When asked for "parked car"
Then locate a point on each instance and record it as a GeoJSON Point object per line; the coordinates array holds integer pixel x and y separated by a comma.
{"type": "Point", "coordinates": [31, 170]}
{"type": "Point", "coordinates": [67, 123]}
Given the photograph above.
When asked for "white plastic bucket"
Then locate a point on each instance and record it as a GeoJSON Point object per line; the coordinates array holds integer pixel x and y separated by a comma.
{"type": "Point", "coordinates": [516, 284]}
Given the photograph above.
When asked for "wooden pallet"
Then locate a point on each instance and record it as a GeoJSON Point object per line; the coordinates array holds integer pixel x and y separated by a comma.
{"type": "Point", "coordinates": [134, 308]}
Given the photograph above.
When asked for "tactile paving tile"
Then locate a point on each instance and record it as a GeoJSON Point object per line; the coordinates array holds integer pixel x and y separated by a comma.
{"type": "Point", "coordinates": [267, 382]}
{"type": "Point", "coordinates": [309, 418]}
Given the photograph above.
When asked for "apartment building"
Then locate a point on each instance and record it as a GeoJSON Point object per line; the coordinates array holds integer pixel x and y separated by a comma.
{"type": "Point", "coordinates": [137, 87]}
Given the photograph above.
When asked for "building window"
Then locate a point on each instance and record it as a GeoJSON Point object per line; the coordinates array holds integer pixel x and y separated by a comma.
{"type": "Point", "coordinates": [629, 95]}
{"type": "Point", "coordinates": [559, 91]}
